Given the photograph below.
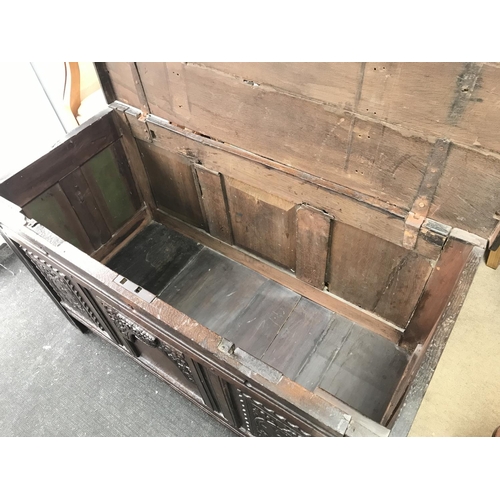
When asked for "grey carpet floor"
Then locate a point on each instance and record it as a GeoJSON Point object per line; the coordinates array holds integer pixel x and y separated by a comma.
{"type": "Point", "coordinates": [56, 381]}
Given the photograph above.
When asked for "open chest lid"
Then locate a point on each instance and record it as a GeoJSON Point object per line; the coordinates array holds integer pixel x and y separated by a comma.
{"type": "Point", "coordinates": [416, 141]}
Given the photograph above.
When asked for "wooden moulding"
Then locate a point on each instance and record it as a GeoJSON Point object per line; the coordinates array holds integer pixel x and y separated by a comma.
{"type": "Point", "coordinates": [79, 146]}
{"type": "Point", "coordinates": [330, 301]}
{"type": "Point", "coordinates": [174, 327]}
{"type": "Point", "coordinates": [314, 232]}
{"type": "Point", "coordinates": [435, 343]}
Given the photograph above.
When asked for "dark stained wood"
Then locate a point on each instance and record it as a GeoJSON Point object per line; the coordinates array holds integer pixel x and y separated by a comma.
{"type": "Point", "coordinates": [53, 210]}
{"type": "Point", "coordinates": [214, 200]}
{"type": "Point", "coordinates": [154, 257]}
{"type": "Point", "coordinates": [78, 192]}
{"type": "Point", "coordinates": [437, 292]}
{"type": "Point", "coordinates": [77, 147]}
{"type": "Point", "coordinates": [254, 329]}
{"type": "Point", "coordinates": [105, 80]}
{"type": "Point", "coordinates": [165, 169]}
{"type": "Point", "coordinates": [298, 337]}
{"type": "Point", "coordinates": [374, 323]}
{"type": "Point", "coordinates": [212, 289]}
{"type": "Point", "coordinates": [315, 366]}
{"type": "Point", "coordinates": [262, 223]}
{"type": "Point", "coordinates": [109, 178]}
{"type": "Point", "coordinates": [375, 274]}
{"type": "Point", "coordinates": [134, 159]}
{"type": "Point", "coordinates": [313, 240]}
{"type": "Point", "coordinates": [365, 372]}
{"type": "Point", "coordinates": [405, 415]}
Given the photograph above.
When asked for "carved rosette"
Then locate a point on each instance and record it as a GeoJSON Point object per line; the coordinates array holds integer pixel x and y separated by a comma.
{"type": "Point", "coordinates": [133, 331]}
{"type": "Point", "coordinates": [263, 422]}
{"type": "Point", "coordinates": [62, 285]}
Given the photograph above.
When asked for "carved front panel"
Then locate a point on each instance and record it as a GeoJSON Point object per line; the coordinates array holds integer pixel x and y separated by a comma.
{"type": "Point", "coordinates": [65, 289]}
{"type": "Point", "coordinates": [132, 332]}
{"type": "Point", "coordinates": [263, 422]}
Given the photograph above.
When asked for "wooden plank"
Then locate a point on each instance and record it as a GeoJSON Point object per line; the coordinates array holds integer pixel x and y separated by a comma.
{"type": "Point", "coordinates": [254, 329]}
{"type": "Point", "coordinates": [139, 88]}
{"type": "Point", "coordinates": [162, 127]}
{"type": "Point", "coordinates": [109, 179]}
{"type": "Point", "coordinates": [385, 163]}
{"type": "Point", "coordinates": [262, 223]}
{"type": "Point", "coordinates": [282, 127]}
{"type": "Point", "coordinates": [288, 279]}
{"type": "Point", "coordinates": [467, 195]}
{"type": "Point", "coordinates": [313, 240]}
{"type": "Point", "coordinates": [76, 148]}
{"type": "Point", "coordinates": [78, 192]}
{"type": "Point", "coordinates": [334, 83]}
{"type": "Point", "coordinates": [53, 210]}
{"type": "Point", "coordinates": [454, 100]}
{"type": "Point", "coordinates": [212, 289]}
{"type": "Point", "coordinates": [437, 292]}
{"type": "Point", "coordinates": [404, 382]}
{"type": "Point", "coordinates": [434, 347]}
{"type": "Point", "coordinates": [134, 159]}
{"type": "Point", "coordinates": [378, 220]}
{"type": "Point", "coordinates": [106, 84]}
{"type": "Point", "coordinates": [315, 366]}
{"type": "Point", "coordinates": [154, 257]}
{"type": "Point", "coordinates": [122, 78]}
{"type": "Point", "coordinates": [214, 199]}
{"type": "Point", "coordinates": [298, 337]}
{"type": "Point", "coordinates": [376, 275]}
{"type": "Point", "coordinates": [365, 372]}
{"type": "Point", "coordinates": [166, 169]}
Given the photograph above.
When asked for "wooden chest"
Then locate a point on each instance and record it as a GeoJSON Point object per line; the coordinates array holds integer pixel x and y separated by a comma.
{"type": "Point", "coordinates": [288, 245]}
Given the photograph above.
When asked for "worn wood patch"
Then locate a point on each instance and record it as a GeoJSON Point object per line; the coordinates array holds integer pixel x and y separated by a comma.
{"type": "Point", "coordinates": [262, 222]}
{"type": "Point", "coordinates": [212, 289]}
{"type": "Point", "coordinates": [298, 337]}
{"type": "Point", "coordinates": [124, 87]}
{"type": "Point", "coordinates": [166, 169]}
{"type": "Point", "coordinates": [365, 372]}
{"type": "Point", "coordinates": [154, 257]}
{"type": "Point", "coordinates": [213, 195]}
{"type": "Point", "coordinates": [255, 328]}
{"type": "Point", "coordinates": [315, 367]}
{"type": "Point", "coordinates": [385, 163]}
{"type": "Point", "coordinates": [335, 83]}
{"type": "Point", "coordinates": [375, 274]}
{"type": "Point", "coordinates": [313, 239]}
{"type": "Point", "coordinates": [467, 195]}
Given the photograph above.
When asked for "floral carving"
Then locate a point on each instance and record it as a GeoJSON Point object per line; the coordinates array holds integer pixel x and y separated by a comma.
{"type": "Point", "coordinates": [133, 331]}
{"type": "Point", "coordinates": [62, 285]}
{"type": "Point", "coordinates": [263, 422]}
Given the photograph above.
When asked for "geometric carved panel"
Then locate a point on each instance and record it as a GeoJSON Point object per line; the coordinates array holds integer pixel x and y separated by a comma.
{"type": "Point", "coordinates": [263, 422]}
{"type": "Point", "coordinates": [132, 331]}
{"type": "Point", "coordinates": [64, 288]}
